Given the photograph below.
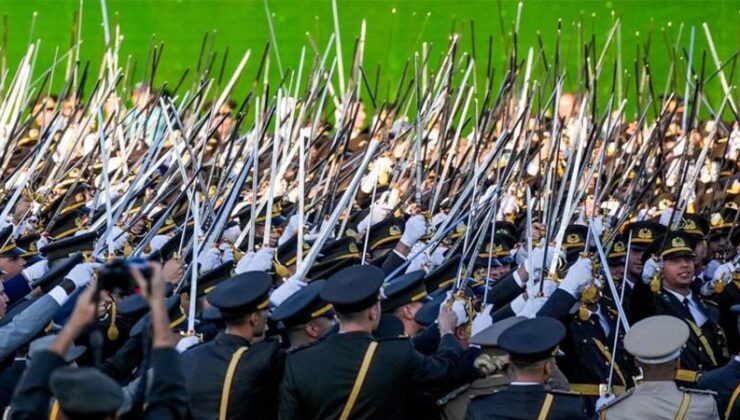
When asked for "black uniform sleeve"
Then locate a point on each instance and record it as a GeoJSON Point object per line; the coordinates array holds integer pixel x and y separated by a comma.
{"type": "Point", "coordinates": [289, 404]}
{"type": "Point", "coordinates": [31, 400]}
{"type": "Point", "coordinates": [642, 304]}
{"type": "Point", "coordinates": [427, 341]}
{"type": "Point", "coordinates": [558, 305]}
{"type": "Point", "coordinates": [504, 291]}
{"type": "Point", "coordinates": [440, 368]}
{"type": "Point", "coordinates": [168, 397]}
{"type": "Point", "coordinates": [121, 365]}
{"type": "Point", "coordinates": [502, 313]}
{"type": "Point", "coordinates": [391, 262]}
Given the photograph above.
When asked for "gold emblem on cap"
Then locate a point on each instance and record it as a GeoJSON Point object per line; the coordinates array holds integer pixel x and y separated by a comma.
{"type": "Point", "coordinates": [644, 233]}
{"type": "Point", "coordinates": [678, 242]}
{"type": "Point", "coordinates": [619, 247]}
{"type": "Point", "coordinates": [688, 224]}
{"type": "Point", "coordinates": [716, 219]}
{"type": "Point", "coordinates": [394, 230]}
{"type": "Point", "coordinates": [572, 238]}
{"type": "Point", "coordinates": [353, 247]}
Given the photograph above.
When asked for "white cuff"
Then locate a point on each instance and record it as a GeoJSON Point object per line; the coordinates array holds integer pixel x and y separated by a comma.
{"type": "Point", "coordinates": [403, 257]}
{"type": "Point", "coordinates": [517, 279]}
{"type": "Point", "coordinates": [59, 295]}
{"type": "Point", "coordinates": [518, 304]}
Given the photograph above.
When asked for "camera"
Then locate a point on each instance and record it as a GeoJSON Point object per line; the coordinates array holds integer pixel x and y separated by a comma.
{"type": "Point", "coordinates": [115, 276]}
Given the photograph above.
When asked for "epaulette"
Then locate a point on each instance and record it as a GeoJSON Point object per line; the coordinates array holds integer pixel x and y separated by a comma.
{"type": "Point", "coordinates": [454, 394]}
{"type": "Point", "coordinates": [710, 302]}
{"type": "Point", "coordinates": [303, 347]}
{"type": "Point", "coordinates": [697, 391]}
{"type": "Point", "coordinates": [620, 398]}
{"type": "Point", "coordinates": [311, 344]}
{"type": "Point", "coordinates": [488, 394]}
{"type": "Point", "coordinates": [566, 393]}
{"type": "Point", "coordinates": [393, 337]}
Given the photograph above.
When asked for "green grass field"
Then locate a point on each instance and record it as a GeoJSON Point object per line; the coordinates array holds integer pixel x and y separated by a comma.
{"type": "Point", "coordinates": [395, 28]}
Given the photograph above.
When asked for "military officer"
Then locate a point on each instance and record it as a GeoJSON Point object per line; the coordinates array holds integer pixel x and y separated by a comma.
{"type": "Point", "coordinates": [351, 375]}
{"type": "Point", "coordinates": [305, 316]}
{"type": "Point", "coordinates": [725, 381]}
{"type": "Point", "coordinates": [531, 345]}
{"type": "Point", "coordinates": [236, 375]}
{"type": "Point", "coordinates": [656, 343]}
{"type": "Point", "coordinates": [706, 346]}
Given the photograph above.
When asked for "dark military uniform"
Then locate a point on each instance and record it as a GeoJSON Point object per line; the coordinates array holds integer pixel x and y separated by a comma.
{"type": "Point", "coordinates": [319, 378]}
{"type": "Point", "coordinates": [350, 374]}
{"type": "Point", "coordinates": [526, 402]}
{"type": "Point", "coordinates": [588, 348]}
{"type": "Point", "coordinates": [529, 342]}
{"type": "Point", "coordinates": [230, 377]}
{"type": "Point", "coordinates": [728, 321]}
{"type": "Point", "coordinates": [706, 347]}
{"type": "Point", "coordinates": [725, 381]}
{"type": "Point", "coordinates": [253, 385]}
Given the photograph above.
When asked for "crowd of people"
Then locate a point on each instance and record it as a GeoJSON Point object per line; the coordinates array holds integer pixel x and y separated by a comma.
{"type": "Point", "coordinates": [177, 254]}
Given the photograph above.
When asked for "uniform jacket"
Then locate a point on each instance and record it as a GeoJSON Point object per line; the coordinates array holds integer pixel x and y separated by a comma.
{"type": "Point", "coordinates": [254, 388]}
{"type": "Point", "coordinates": [318, 378]}
{"type": "Point", "coordinates": [660, 400]}
{"type": "Point", "coordinates": [724, 381]}
{"type": "Point", "coordinates": [524, 402]}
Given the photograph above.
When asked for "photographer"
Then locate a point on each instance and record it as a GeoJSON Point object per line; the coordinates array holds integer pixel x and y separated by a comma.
{"type": "Point", "coordinates": [73, 388]}
{"type": "Point", "coordinates": [25, 325]}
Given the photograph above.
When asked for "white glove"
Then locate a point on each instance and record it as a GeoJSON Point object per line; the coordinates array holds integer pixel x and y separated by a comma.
{"type": "Point", "coordinates": [285, 290]}
{"type": "Point", "coordinates": [579, 275]}
{"type": "Point", "coordinates": [438, 219]}
{"type": "Point", "coordinates": [290, 229]}
{"type": "Point", "coordinates": [260, 261]}
{"type": "Point", "coordinates": [209, 259]}
{"type": "Point", "coordinates": [711, 267]}
{"type": "Point", "coordinates": [187, 342]}
{"type": "Point", "coordinates": [458, 307]}
{"type": "Point", "coordinates": [508, 206]}
{"type": "Point", "coordinates": [533, 288]}
{"type": "Point", "coordinates": [416, 228]}
{"type": "Point", "coordinates": [158, 242]}
{"type": "Point", "coordinates": [665, 217]}
{"type": "Point", "coordinates": [517, 305]}
{"type": "Point", "coordinates": [482, 320]}
{"type": "Point", "coordinates": [42, 242]}
{"type": "Point", "coordinates": [602, 401]}
{"type": "Point", "coordinates": [81, 274]}
{"type": "Point", "coordinates": [649, 269]}
{"type": "Point", "coordinates": [420, 261]}
{"type": "Point", "coordinates": [438, 256]}
{"type": "Point", "coordinates": [243, 265]}
{"type": "Point", "coordinates": [36, 270]}
{"type": "Point", "coordinates": [231, 234]}
{"type": "Point", "coordinates": [533, 265]}
{"type": "Point", "coordinates": [377, 213]}
{"type": "Point", "coordinates": [227, 253]}
{"type": "Point", "coordinates": [723, 273]}
{"type": "Point", "coordinates": [533, 305]}
{"type": "Point", "coordinates": [119, 238]}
